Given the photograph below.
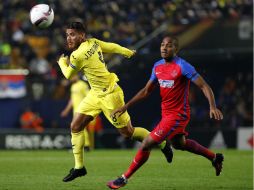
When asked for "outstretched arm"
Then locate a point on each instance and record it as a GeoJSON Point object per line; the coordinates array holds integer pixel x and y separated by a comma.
{"type": "Point", "coordinates": [214, 111]}
{"type": "Point", "coordinates": [67, 68]}
{"type": "Point", "coordinates": [108, 47]}
{"type": "Point", "coordinates": [141, 95]}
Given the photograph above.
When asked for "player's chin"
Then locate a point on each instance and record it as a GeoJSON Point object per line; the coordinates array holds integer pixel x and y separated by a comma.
{"type": "Point", "coordinates": [70, 47]}
{"type": "Point", "coordinates": [164, 55]}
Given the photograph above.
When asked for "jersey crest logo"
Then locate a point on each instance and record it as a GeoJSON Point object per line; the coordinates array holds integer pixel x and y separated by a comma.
{"type": "Point", "coordinates": [174, 73]}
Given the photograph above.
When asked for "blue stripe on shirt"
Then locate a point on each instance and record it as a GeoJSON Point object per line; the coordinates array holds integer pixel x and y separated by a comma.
{"type": "Point", "coordinates": [72, 66]}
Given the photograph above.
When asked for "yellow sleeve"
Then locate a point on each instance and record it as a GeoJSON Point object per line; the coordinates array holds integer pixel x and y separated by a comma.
{"type": "Point", "coordinates": [108, 47]}
{"type": "Point", "coordinates": [68, 69]}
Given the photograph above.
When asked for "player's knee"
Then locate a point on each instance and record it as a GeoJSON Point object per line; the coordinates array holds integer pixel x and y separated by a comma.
{"type": "Point", "coordinates": [75, 127]}
{"type": "Point", "coordinates": [147, 144]}
{"type": "Point", "coordinates": [126, 132]}
{"type": "Point", "coordinates": [178, 142]}
{"type": "Point", "coordinates": [179, 145]}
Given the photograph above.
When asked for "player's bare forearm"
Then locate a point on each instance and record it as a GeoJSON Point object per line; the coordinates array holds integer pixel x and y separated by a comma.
{"type": "Point", "coordinates": [137, 98]}
{"type": "Point", "coordinates": [214, 111]}
{"type": "Point", "coordinates": [141, 95]}
{"type": "Point", "coordinates": [209, 95]}
{"type": "Point", "coordinates": [201, 83]}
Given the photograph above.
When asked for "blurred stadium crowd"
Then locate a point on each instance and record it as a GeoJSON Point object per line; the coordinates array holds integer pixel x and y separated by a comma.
{"type": "Point", "coordinates": [124, 22]}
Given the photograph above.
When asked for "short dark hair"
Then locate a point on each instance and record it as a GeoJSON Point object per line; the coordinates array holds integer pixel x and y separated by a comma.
{"type": "Point", "coordinates": [77, 26]}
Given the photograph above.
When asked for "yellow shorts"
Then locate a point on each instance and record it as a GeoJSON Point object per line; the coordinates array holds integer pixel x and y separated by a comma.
{"type": "Point", "coordinates": [93, 105]}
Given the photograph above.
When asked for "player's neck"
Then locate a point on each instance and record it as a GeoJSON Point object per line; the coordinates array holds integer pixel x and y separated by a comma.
{"type": "Point", "coordinates": [78, 45]}
{"type": "Point", "coordinates": [169, 59]}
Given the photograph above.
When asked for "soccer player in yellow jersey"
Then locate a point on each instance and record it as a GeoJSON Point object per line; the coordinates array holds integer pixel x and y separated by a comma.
{"type": "Point", "coordinates": [79, 90]}
{"type": "Point", "coordinates": [105, 94]}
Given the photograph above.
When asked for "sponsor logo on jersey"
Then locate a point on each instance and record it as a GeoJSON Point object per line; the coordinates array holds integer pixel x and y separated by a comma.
{"type": "Point", "coordinates": [166, 83]}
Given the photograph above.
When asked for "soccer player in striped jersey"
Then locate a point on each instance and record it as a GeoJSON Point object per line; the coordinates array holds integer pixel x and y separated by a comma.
{"type": "Point", "coordinates": [105, 94]}
{"type": "Point", "coordinates": [173, 75]}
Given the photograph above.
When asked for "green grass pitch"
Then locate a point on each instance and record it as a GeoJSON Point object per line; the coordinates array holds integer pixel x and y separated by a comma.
{"type": "Point", "coordinates": [44, 170]}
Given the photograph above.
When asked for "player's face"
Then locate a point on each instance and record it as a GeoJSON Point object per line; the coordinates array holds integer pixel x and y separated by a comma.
{"type": "Point", "coordinates": [73, 38]}
{"type": "Point", "coordinates": [168, 48]}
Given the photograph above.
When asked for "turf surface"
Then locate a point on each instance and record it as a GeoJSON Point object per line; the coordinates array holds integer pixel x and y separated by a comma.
{"type": "Point", "coordinates": [44, 170]}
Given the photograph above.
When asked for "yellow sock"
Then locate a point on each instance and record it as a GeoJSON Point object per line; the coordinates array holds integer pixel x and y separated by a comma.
{"type": "Point", "coordinates": [77, 141]}
{"type": "Point", "coordinates": [87, 139]}
{"type": "Point", "coordinates": [162, 145]}
{"type": "Point", "coordinates": [140, 133]}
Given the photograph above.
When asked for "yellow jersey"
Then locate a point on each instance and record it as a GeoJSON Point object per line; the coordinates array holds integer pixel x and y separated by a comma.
{"type": "Point", "coordinates": [79, 90]}
{"type": "Point", "coordinates": [88, 59]}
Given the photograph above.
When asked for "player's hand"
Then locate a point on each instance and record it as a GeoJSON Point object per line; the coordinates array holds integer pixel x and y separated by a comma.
{"type": "Point", "coordinates": [64, 113]}
{"type": "Point", "coordinates": [133, 52]}
{"type": "Point", "coordinates": [63, 59]}
{"type": "Point", "coordinates": [118, 112]}
{"type": "Point", "coordinates": [216, 114]}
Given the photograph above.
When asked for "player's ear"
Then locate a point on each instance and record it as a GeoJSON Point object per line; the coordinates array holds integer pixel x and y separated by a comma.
{"type": "Point", "coordinates": [176, 50]}
{"type": "Point", "coordinates": [83, 36]}
{"type": "Point", "coordinates": [176, 46]}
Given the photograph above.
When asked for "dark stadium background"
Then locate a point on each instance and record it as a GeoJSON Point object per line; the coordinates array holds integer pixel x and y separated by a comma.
{"type": "Point", "coordinates": [215, 36]}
